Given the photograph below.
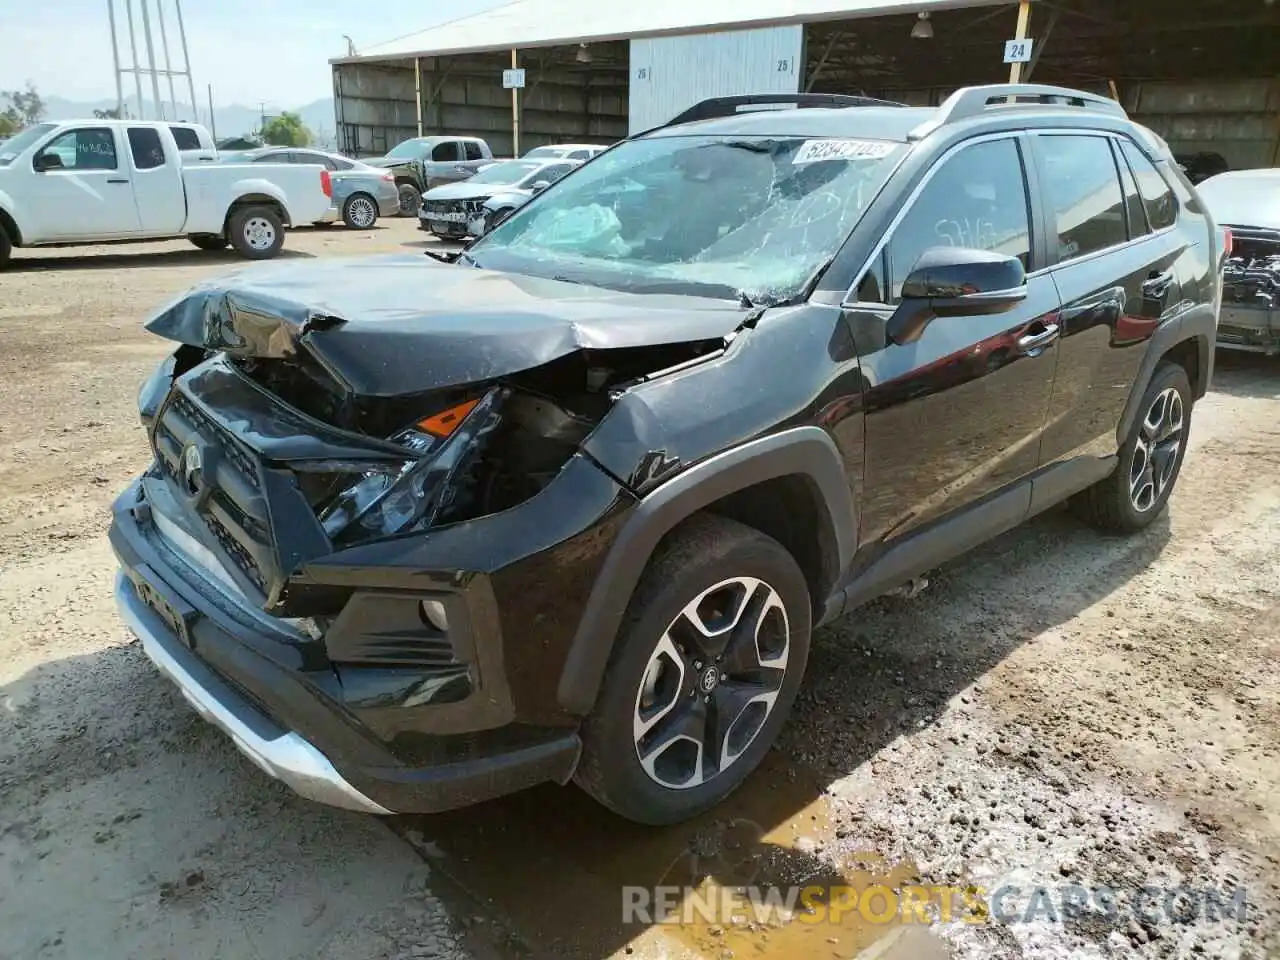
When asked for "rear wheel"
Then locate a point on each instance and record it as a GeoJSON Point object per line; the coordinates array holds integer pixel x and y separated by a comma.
{"type": "Point", "coordinates": [703, 673]}
{"type": "Point", "coordinates": [360, 211]}
{"type": "Point", "coordinates": [208, 241]}
{"type": "Point", "coordinates": [410, 200]}
{"type": "Point", "coordinates": [1150, 459]}
{"type": "Point", "coordinates": [256, 232]}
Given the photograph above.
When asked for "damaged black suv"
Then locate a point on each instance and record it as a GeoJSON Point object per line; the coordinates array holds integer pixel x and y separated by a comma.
{"type": "Point", "coordinates": [570, 505]}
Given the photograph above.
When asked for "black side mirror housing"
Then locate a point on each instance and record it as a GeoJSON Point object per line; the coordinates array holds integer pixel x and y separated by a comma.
{"type": "Point", "coordinates": [956, 282]}
{"type": "Point", "coordinates": [48, 161]}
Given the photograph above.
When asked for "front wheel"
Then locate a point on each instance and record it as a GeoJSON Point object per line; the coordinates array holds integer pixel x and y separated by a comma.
{"type": "Point", "coordinates": [360, 211]}
{"type": "Point", "coordinates": [208, 241]}
{"type": "Point", "coordinates": [1149, 461]}
{"type": "Point", "coordinates": [6, 247]}
{"type": "Point", "coordinates": [256, 232]}
{"type": "Point", "coordinates": [703, 673]}
{"type": "Point", "coordinates": [410, 200]}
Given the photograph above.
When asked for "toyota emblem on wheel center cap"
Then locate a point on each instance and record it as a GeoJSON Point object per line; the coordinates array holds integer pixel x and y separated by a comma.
{"type": "Point", "coordinates": [710, 678]}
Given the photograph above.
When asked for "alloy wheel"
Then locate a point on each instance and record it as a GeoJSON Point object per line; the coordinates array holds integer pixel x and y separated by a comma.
{"type": "Point", "coordinates": [711, 683]}
{"type": "Point", "coordinates": [259, 233]}
{"type": "Point", "coordinates": [362, 212]}
{"type": "Point", "coordinates": [1155, 455]}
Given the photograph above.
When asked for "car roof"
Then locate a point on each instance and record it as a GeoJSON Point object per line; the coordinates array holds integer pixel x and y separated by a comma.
{"type": "Point", "coordinates": [876, 123]}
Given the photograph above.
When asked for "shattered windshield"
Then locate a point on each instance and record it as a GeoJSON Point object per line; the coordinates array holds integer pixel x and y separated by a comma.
{"type": "Point", "coordinates": [753, 217]}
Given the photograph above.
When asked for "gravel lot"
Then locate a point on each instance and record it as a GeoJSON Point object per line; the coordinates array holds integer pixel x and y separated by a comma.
{"type": "Point", "coordinates": [1060, 711]}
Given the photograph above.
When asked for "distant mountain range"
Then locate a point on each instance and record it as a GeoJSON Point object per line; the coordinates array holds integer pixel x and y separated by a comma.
{"type": "Point", "coordinates": [229, 121]}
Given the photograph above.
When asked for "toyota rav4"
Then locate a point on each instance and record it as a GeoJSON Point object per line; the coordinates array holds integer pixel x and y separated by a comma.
{"type": "Point", "coordinates": [569, 505]}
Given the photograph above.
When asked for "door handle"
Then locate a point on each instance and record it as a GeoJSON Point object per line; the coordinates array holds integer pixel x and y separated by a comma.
{"type": "Point", "coordinates": [1038, 341]}
{"type": "Point", "coordinates": [117, 181]}
{"type": "Point", "coordinates": [1158, 284]}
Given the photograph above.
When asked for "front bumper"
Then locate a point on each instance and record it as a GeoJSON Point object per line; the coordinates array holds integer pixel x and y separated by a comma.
{"type": "Point", "coordinates": [282, 754]}
{"type": "Point", "coordinates": [285, 706]}
{"type": "Point", "coordinates": [1249, 328]}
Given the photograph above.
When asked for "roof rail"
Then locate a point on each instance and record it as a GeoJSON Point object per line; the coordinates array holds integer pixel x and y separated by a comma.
{"type": "Point", "coordinates": [973, 101]}
{"type": "Point", "coordinates": [754, 102]}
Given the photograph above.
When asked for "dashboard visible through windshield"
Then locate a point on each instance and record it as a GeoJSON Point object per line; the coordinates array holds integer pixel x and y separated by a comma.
{"type": "Point", "coordinates": [728, 217]}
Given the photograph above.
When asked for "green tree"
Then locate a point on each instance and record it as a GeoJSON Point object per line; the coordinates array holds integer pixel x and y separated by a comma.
{"type": "Point", "coordinates": [22, 108]}
{"type": "Point", "coordinates": [286, 130]}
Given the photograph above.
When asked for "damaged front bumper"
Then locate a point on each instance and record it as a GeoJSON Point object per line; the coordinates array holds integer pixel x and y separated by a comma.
{"type": "Point", "coordinates": [320, 709]}
{"type": "Point", "coordinates": [1249, 328]}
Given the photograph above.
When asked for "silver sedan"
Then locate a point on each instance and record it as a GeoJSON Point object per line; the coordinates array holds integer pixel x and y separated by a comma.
{"type": "Point", "coordinates": [361, 193]}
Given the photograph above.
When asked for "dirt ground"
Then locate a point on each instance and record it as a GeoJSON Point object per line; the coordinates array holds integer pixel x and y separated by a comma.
{"type": "Point", "coordinates": [1058, 716]}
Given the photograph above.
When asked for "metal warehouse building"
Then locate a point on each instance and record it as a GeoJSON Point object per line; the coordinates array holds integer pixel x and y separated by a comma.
{"type": "Point", "coordinates": [1203, 73]}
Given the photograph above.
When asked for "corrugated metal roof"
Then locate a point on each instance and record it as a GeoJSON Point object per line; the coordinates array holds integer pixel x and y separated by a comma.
{"type": "Point", "coordinates": [545, 23]}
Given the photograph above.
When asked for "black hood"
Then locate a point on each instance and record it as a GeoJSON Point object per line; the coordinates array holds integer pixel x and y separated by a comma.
{"type": "Point", "coordinates": [387, 326]}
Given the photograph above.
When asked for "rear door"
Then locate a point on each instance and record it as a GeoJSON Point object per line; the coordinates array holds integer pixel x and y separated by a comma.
{"type": "Point", "coordinates": [956, 416]}
{"type": "Point", "coordinates": [89, 194]}
{"type": "Point", "coordinates": [445, 165]}
{"type": "Point", "coordinates": [157, 182]}
{"type": "Point", "coordinates": [1115, 266]}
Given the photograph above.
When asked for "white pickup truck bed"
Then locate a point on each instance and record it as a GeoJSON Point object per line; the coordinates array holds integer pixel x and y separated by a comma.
{"type": "Point", "coordinates": [98, 180]}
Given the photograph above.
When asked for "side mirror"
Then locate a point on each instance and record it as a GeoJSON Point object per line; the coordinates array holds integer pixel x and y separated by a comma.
{"type": "Point", "coordinates": [539, 185]}
{"type": "Point", "coordinates": [48, 161]}
{"type": "Point", "coordinates": [956, 282]}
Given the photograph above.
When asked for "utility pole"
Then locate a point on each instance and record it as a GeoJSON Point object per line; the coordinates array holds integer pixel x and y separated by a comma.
{"type": "Point", "coordinates": [186, 61]}
{"type": "Point", "coordinates": [137, 71]}
{"type": "Point", "coordinates": [1024, 18]}
{"type": "Point", "coordinates": [168, 67]}
{"type": "Point", "coordinates": [151, 60]}
{"type": "Point", "coordinates": [115, 58]}
{"type": "Point", "coordinates": [213, 124]}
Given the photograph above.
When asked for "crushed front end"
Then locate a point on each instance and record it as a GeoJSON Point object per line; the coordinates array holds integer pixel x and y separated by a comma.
{"type": "Point", "coordinates": [371, 591]}
{"type": "Point", "coordinates": [1250, 317]}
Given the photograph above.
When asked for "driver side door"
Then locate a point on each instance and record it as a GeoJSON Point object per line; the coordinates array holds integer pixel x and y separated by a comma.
{"type": "Point", "coordinates": [956, 417]}
{"type": "Point", "coordinates": [89, 193]}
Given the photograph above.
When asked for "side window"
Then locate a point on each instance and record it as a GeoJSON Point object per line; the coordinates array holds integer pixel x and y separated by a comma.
{"type": "Point", "coordinates": [185, 138]}
{"type": "Point", "coordinates": [1083, 189]}
{"type": "Point", "coordinates": [580, 155]}
{"type": "Point", "coordinates": [1133, 209]}
{"type": "Point", "coordinates": [1157, 195]}
{"type": "Point", "coordinates": [89, 148]}
{"type": "Point", "coordinates": [445, 151]}
{"type": "Point", "coordinates": [144, 146]}
{"type": "Point", "coordinates": [978, 199]}
{"type": "Point", "coordinates": [473, 150]}
{"type": "Point", "coordinates": [554, 172]}
{"type": "Point", "coordinates": [337, 163]}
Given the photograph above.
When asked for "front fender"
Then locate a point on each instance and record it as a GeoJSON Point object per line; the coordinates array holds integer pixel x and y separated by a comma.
{"type": "Point", "coordinates": [11, 210]}
{"type": "Point", "coordinates": [807, 452]}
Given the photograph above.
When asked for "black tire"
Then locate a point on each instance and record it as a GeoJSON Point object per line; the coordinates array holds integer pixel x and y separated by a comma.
{"type": "Point", "coordinates": [208, 241]}
{"type": "Point", "coordinates": [256, 232]}
{"type": "Point", "coordinates": [706, 551]}
{"type": "Point", "coordinates": [410, 199]}
{"type": "Point", "coordinates": [6, 248]}
{"type": "Point", "coordinates": [360, 211]}
{"type": "Point", "coordinates": [1133, 496]}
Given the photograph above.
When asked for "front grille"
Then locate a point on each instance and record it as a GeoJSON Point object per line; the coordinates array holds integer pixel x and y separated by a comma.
{"type": "Point", "coordinates": [468, 207]}
{"type": "Point", "coordinates": [236, 551]}
{"type": "Point", "coordinates": [183, 421]}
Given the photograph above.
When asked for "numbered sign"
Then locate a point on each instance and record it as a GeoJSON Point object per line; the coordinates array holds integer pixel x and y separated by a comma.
{"type": "Point", "coordinates": [513, 78]}
{"type": "Point", "coordinates": [1018, 51]}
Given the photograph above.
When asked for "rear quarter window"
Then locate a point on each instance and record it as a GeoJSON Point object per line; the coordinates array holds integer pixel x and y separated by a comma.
{"type": "Point", "coordinates": [185, 138]}
{"type": "Point", "coordinates": [1157, 195]}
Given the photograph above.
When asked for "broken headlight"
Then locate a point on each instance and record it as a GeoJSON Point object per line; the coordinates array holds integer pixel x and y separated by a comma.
{"type": "Point", "coordinates": [393, 497]}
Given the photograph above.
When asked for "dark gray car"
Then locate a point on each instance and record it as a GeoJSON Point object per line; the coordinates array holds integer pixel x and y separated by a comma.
{"type": "Point", "coordinates": [361, 193]}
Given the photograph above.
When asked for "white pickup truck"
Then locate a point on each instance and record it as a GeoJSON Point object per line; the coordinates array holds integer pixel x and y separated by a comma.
{"type": "Point", "coordinates": [90, 181]}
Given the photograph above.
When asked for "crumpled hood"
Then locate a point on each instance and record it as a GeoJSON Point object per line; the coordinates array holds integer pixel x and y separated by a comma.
{"type": "Point", "coordinates": [387, 161]}
{"type": "Point", "coordinates": [466, 190]}
{"type": "Point", "coordinates": [388, 326]}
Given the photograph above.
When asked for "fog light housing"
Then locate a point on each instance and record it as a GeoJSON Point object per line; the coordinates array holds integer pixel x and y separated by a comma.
{"type": "Point", "coordinates": [436, 615]}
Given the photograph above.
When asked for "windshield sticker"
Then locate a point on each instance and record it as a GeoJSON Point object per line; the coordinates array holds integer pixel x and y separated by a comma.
{"type": "Point", "coordinates": [812, 151]}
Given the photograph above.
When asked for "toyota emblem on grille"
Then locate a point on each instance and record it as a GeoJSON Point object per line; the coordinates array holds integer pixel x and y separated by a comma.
{"type": "Point", "coordinates": [192, 464]}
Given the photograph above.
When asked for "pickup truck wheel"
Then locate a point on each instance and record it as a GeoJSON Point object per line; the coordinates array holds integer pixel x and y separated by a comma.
{"type": "Point", "coordinates": [702, 676]}
{"type": "Point", "coordinates": [1150, 459]}
{"type": "Point", "coordinates": [256, 232]}
{"type": "Point", "coordinates": [360, 211]}
{"type": "Point", "coordinates": [6, 247]}
{"type": "Point", "coordinates": [410, 200]}
{"type": "Point", "coordinates": [208, 241]}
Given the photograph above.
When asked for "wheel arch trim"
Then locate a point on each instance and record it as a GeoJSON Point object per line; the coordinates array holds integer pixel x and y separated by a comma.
{"type": "Point", "coordinates": [1199, 325]}
{"type": "Point", "coordinates": [805, 451]}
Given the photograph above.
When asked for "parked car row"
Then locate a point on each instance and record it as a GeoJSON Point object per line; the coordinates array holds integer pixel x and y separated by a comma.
{"type": "Point", "coordinates": [464, 209]}
{"type": "Point", "coordinates": [361, 193]}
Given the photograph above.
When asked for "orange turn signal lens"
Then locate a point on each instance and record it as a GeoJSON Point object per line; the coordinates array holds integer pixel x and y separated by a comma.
{"type": "Point", "coordinates": [444, 423]}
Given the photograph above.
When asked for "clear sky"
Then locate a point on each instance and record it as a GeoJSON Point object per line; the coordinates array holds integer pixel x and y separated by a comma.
{"type": "Point", "coordinates": [250, 50]}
